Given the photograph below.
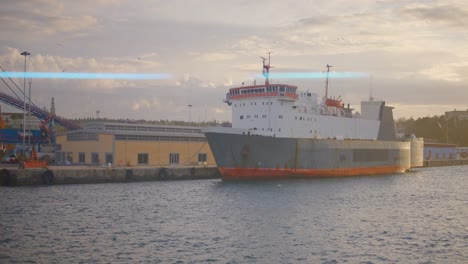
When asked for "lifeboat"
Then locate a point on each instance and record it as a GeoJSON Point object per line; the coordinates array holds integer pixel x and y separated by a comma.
{"type": "Point", "coordinates": [334, 103]}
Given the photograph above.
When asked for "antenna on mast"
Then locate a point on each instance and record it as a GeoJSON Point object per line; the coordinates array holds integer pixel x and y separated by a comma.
{"type": "Point", "coordinates": [371, 98]}
{"type": "Point", "coordinates": [266, 69]}
{"type": "Point", "coordinates": [326, 82]}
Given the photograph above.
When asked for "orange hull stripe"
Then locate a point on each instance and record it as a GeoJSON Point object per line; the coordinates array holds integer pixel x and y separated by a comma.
{"type": "Point", "coordinates": [262, 173]}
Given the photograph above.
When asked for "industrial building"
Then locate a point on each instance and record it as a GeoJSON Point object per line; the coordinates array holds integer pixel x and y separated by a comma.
{"type": "Point", "coordinates": [130, 144]}
{"type": "Point", "coordinates": [457, 115]}
{"type": "Point", "coordinates": [440, 151]}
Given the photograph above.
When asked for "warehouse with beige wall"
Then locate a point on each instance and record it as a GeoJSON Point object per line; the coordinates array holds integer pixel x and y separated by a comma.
{"type": "Point", "coordinates": [127, 144]}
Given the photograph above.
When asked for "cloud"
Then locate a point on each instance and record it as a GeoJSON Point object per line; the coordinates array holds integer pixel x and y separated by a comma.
{"type": "Point", "coordinates": [45, 17]}
{"type": "Point", "coordinates": [450, 72]}
{"type": "Point", "coordinates": [417, 47]}
{"type": "Point", "coordinates": [453, 15]}
{"type": "Point", "coordinates": [215, 56]}
{"type": "Point", "coordinates": [145, 103]}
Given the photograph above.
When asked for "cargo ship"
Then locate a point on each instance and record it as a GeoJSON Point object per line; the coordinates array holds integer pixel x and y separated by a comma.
{"type": "Point", "coordinates": [279, 132]}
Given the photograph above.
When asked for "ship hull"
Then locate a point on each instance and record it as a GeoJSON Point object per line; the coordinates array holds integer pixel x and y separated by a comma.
{"type": "Point", "coordinates": [244, 156]}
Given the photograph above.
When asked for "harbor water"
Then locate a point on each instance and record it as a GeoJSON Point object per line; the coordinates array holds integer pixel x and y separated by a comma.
{"type": "Point", "coordinates": [417, 217]}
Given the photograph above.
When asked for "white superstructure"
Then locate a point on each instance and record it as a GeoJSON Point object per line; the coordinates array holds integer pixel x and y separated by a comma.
{"type": "Point", "coordinates": [280, 110]}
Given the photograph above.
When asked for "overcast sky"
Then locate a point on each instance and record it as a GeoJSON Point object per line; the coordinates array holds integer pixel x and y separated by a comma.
{"type": "Point", "coordinates": [415, 51]}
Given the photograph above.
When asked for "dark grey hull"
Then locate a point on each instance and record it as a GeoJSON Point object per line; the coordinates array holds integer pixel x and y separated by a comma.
{"type": "Point", "coordinates": [256, 157]}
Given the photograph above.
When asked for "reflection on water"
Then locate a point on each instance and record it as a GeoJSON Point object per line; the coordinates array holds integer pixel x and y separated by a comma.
{"type": "Point", "coordinates": [418, 217]}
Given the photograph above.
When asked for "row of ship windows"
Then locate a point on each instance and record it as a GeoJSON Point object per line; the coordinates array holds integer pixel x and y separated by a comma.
{"type": "Point", "coordinates": [262, 90]}
{"type": "Point", "coordinates": [255, 103]}
{"type": "Point", "coordinates": [256, 116]}
{"type": "Point", "coordinates": [280, 117]}
{"type": "Point", "coordinates": [279, 130]}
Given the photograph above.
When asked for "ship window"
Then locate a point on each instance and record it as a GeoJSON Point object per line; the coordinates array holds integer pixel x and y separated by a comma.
{"type": "Point", "coordinates": [241, 117]}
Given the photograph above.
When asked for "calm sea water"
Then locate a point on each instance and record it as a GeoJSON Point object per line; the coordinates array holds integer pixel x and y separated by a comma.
{"type": "Point", "coordinates": [418, 217]}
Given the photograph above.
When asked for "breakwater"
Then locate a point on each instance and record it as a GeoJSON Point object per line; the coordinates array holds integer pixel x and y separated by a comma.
{"type": "Point", "coordinates": [11, 176]}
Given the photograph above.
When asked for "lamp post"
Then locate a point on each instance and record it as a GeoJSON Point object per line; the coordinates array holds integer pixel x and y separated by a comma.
{"type": "Point", "coordinates": [25, 54]}
{"type": "Point", "coordinates": [190, 114]}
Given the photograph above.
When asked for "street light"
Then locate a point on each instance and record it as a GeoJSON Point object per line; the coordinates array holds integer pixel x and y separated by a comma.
{"type": "Point", "coordinates": [190, 114]}
{"type": "Point", "coordinates": [25, 54]}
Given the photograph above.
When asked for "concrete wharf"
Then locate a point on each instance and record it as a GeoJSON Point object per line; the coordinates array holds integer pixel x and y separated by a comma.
{"type": "Point", "coordinates": [13, 176]}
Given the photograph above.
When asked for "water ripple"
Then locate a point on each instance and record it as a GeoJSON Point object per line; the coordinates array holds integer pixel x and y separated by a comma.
{"type": "Point", "coordinates": [411, 218]}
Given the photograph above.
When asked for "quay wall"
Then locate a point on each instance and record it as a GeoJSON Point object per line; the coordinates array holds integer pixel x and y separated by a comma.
{"type": "Point", "coordinates": [447, 162]}
{"type": "Point", "coordinates": [82, 175]}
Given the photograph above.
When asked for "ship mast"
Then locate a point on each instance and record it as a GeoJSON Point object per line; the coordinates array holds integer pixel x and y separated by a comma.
{"type": "Point", "coordinates": [266, 69]}
{"type": "Point", "coordinates": [326, 82]}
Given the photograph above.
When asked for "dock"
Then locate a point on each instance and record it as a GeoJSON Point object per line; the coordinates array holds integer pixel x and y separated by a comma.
{"type": "Point", "coordinates": [53, 175]}
{"type": "Point", "coordinates": [445, 162]}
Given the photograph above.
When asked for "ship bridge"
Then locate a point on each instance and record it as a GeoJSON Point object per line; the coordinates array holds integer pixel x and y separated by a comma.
{"type": "Point", "coordinates": [279, 91]}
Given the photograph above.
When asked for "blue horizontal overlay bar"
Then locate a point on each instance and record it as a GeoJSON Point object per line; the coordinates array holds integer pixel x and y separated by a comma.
{"type": "Point", "coordinates": [315, 75]}
{"type": "Point", "coordinates": [85, 75]}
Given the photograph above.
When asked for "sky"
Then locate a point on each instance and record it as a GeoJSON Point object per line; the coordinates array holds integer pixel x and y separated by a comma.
{"type": "Point", "coordinates": [414, 53]}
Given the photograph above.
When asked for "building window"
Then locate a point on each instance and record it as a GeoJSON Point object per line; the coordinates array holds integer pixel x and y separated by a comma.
{"type": "Point", "coordinates": [142, 158]}
{"type": "Point", "coordinates": [81, 157]}
{"type": "Point", "coordinates": [202, 157]}
{"type": "Point", "coordinates": [109, 158]}
{"type": "Point", "coordinates": [95, 158]}
{"type": "Point", "coordinates": [173, 158]}
{"type": "Point", "coordinates": [58, 157]}
{"type": "Point", "coordinates": [70, 157]}
{"type": "Point", "coordinates": [241, 117]}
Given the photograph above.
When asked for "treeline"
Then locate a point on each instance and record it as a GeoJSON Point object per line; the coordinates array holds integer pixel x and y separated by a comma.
{"type": "Point", "coordinates": [436, 128]}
